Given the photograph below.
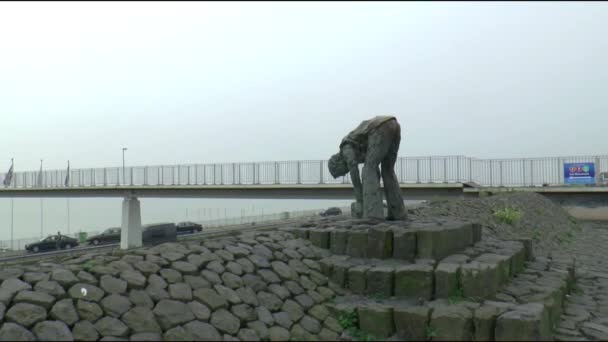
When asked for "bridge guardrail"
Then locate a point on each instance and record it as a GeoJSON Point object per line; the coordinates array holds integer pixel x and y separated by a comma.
{"type": "Point", "coordinates": [440, 169]}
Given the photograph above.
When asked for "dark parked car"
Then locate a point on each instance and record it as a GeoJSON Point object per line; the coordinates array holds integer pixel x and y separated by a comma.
{"type": "Point", "coordinates": [332, 212]}
{"type": "Point", "coordinates": [188, 228]}
{"type": "Point", "coordinates": [50, 243]}
{"type": "Point", "coordinates": [159, 233]}
{"type": "Point", "coordinates": [110, 235]}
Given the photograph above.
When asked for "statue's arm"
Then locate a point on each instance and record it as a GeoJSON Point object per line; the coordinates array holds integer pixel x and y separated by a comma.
{"type": "Point", "coordinates": [353, 167]}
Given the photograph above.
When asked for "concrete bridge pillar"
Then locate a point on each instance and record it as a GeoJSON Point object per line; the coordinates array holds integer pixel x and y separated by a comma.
{"type": "Point", "coordinates": [130, 235]}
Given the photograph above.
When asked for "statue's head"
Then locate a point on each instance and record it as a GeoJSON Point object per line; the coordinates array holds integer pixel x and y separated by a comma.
{"type": "Point", "coordinates": [337, 165]}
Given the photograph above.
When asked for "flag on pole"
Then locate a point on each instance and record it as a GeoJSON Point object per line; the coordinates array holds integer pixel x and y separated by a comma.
{"type": "Point", "coordinates": [9, 176]}
{"type": "Point", "coordinates": [40, 175]}
{"type": "Point", "coordinates": [67, 176]}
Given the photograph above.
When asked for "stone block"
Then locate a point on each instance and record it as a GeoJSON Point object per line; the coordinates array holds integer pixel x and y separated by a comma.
{"type": "Point", "coordinates": [339, 273]}
{"type": "Point", "coordinates": [301, 233]}
{"type": "Point", "coordinates": [503, 263]}
{"type": "Point", "coordinates": [404, 244]}
{"type": "Point", "coordinates": [338, 240]}
{"type": "Point", "coordinates": [414, 280]}
{"type": "Point", "coordinates": [451, 323]}
{"type": "Point", "coordinates": [357, 279]}
{"type": "Point", "coordinates": [446, 280]}
{"type": "Point", "coordinates": [484, 319]}
{"type": "Point", "coordinates": [476, 232]}
{"type": "Point", "coordinates": [439, 242]}
{"type": "Point", "coordinates": [356, 244]}
{"type": "Point", "coordinates": [319, 237]}
{"type": "Point", "coordinates": [528, 247]}
{"type": "Point", "coordinates": [380, 243]}
{"type": "Point", "coordinates": [376, 320]}
{"type": "Point", "coordinates": [380, 280]}
{"type": "Point", "coordinates": [527, 322]}
{"type": "Point", "coordinates": [411, 322]}
{"type": "Point", "coordinates": [479, 280]}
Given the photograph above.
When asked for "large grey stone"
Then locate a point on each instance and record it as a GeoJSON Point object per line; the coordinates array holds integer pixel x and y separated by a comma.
{"type": "Point", "coordinates": [451, 323]}
{"type": "Point", "coordinates": [404, 244]}
{"type": "Point", "coordinates": [178, 334]}
{"type": "Point", "coordinates": [146, 267]}
{"type": "Point", "coordinates": [319, 237]}
{"type": "Point", "coordinates": [285, 272]}
{"type": "Point", "coordinates": [526, 322]}
{"type": "Point", "coordinates": [210, 298]}
{"type": "Point", "coordinates": [157, 293]}
{"type": "Point", "coordinates": [110, 326]}
{"type": "Point", "coordinates": [293, 287]}
{"type": "Point", "coordinates": [246, 265]}
{"type": "Point", "coordinates": [310, 324]}
{"type": "Point", "coordinates": [170, 275]}
{"type": "Point", "coordinates": [85, 331]}
{"type": "Point", "coordinates": [484, 319]}
{"type": "Point", "coordinates": [380, 281]}
{"type": "Point", "coordinates": [269, 276]}
{"type": "Point", "coordinates": [411, 322]}
{"type": "Point", "coordinates": [229, 294]}
{"type": "Point", "coordinates": [115, 305]}
{"type": "Point", "coordinates": [53, 331]}
{"type": "Point", "coordinates": [244, 312]}
{"type": "Point", "coordinates": [376, 319]}
{"type": "Point", "coordinates": [446, 279]}
{"type": "Point", "coordinates": [264, 315]}
{"type": "Point", "coordinates": [140, 320]}
{"type": "Point", "coordinates": [247, 296]}
{"type": "Point", "coordinates": [34, 277]}
{"type": "Point", "coordinates": [86, 277]}
{"type": "Point", "coordinates": [254, 282]}
{"type": "Point", "coordinates": [260, 329]}
{"type": "Point", "coordinates": [338, 241]}
{"type": "Point", "coordinates": [356, 243]}
{"type": "Point", "coordinates": [283, 319]}
{"type": "Point", "coordinates": [171, 313]}
{"type": "Point", "coordinates": [224, 321]}
{"type": "Point", "coordinates": [88, 311]}
{"type": "Point", "coordinates": [269, 301]}
{"type": "Point", "coordinates": [14, 285]}
{"type": "Point", "coordinates": [185, 267]}
{"type": "Point", "coordinates": [211, 277]}
{"type": "Point", "coordinates": [64, 277]}
{"type": "Point", "coordinates": [248, 335]}
{"type": "Point", "coordinates": [196, 282]}
{"type": "Point", "coordinates": [305, 301]}
{"type": "Point", "coordinates": [15, 332]}
{"type": "Point", "coordinates": [380, 243]}
{"type": "Point", "coordinates": [51, 287]}
{"type": "Point", "coordinates": [180, 291]}
{"type": "Point", "coordinates": [10, 272]}
{"type": "Point", "coordinates": [25, 314]}
{"type": "Point", "coordinates": [280, 291]}
{"type": "Point", "coordinates": [279, 334]}
{"type": "Point", "coordinates": [216, 266]}
{"type": "Point", "coordinates": [201, 331]}
{"type": "Point", "coordinates": [235, 268]}
{"type": "Point", "coordinates": [37, 298]}
{"type": "Point", "coordinates": [65, 311]}
{"type": "Point", "coordinates": [134, 279]}
{"type": "Point", "coordinates": [357, 280]}
{"type": "Point", "coordinates": [146, 337]}
{"type": "Point", "coordinates": [231, 280]}
{"type": "Point", "coordinates": [113, 285]}
{"type": "Point", "coordinates": [141, 298]}
{"type": "Point", "coordinates": [415, 281]}
{"type": "Point", "coordinates": [200, 311]}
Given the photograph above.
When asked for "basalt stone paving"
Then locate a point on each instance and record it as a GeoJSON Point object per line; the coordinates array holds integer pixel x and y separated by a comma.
{"type": "Point", "coordinates": [279, 285]}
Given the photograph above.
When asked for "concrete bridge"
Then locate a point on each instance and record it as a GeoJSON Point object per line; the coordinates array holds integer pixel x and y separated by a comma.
{"type": "Point", "coordinates": [419, 177]}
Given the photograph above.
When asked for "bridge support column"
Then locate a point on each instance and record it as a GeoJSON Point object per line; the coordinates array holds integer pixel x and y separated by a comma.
{"type": "Point", "coordinates": [130, 235]}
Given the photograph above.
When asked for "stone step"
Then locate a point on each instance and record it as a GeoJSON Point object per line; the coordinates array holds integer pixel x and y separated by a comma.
{"type": "Point", "coordinates": [477, 274]}
{"type": "Point", "coordinates": [404, 242]}
{"type": "Point", "coordinates": [526, 318]}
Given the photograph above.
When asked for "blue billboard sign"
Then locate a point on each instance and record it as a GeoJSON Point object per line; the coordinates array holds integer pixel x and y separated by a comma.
{"type": "Point", "coordinates": [579, 173]}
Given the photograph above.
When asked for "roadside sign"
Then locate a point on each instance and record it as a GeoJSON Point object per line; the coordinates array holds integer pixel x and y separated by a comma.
{"type": "Point", "coordinates": [579, 173]}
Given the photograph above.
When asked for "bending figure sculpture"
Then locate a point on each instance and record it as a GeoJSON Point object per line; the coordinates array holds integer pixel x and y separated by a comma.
{"type": "Point", "coordinates": [374, 142]}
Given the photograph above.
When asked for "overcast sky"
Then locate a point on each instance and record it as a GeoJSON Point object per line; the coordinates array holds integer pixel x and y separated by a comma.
{"type": "Point", "coordinates": [230, 82]}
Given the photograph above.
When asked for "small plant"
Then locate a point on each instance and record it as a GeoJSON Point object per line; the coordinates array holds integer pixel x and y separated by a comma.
{"type": "Point", "coordinates": [508, 215]}
{"type": "Point", "coordinates": [430, 332]}
{"type": "Point", "coordinates": [348, 320]}
{"type": "Point", "coordinates": [87, 266]}
{"type": "Point", "coordinates": [456, 297]}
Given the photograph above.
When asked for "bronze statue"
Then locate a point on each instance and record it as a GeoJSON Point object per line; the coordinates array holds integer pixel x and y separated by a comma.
{"type": "Point", "coordinates": [374, 142]}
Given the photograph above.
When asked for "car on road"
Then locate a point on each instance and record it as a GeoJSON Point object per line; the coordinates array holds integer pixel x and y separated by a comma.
{"type": "Point", "coordinates": [188, 227]}
{"type": "Point", "coordinates": [333, 211]}
{"type": "Point", "coordinates": [110, 235]}
{"type": "Point", "coordinates": [51, 242]}
{"type": "Point", "coordinates": [159, 233]}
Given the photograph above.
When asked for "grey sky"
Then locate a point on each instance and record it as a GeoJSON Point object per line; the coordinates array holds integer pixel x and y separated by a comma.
{"type": "Point", "coordinates": [230, 82]}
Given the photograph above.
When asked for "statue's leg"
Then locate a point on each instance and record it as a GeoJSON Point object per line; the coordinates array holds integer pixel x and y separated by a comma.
{"type": "Point", "coordinates": [392, 190]}
{"type": "Point", "coordinates": [378, 146]}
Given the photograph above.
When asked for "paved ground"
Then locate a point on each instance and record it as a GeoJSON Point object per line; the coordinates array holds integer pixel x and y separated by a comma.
{"type": "Point", "coordinates": [586, 310]}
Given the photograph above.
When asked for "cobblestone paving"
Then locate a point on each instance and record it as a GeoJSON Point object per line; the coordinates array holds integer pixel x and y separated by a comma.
{"type": "Point", "coordinates": [585, 316]}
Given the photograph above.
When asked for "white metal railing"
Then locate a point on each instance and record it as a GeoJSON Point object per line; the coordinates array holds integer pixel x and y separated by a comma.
{"type": "Point", "coordinates": [448, 169]}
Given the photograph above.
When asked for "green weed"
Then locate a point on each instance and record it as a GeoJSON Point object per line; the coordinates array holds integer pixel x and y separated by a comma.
{"type": "Point", "coordinates": [508, 215]}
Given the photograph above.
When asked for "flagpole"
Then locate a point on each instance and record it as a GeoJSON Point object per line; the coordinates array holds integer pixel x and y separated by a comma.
{"type": "Point", "coordinates": [41, 205]}
{"type": "Point", "coordinates": [68, 200]}
{"type": "Point", "coordinates": [12, 224]}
